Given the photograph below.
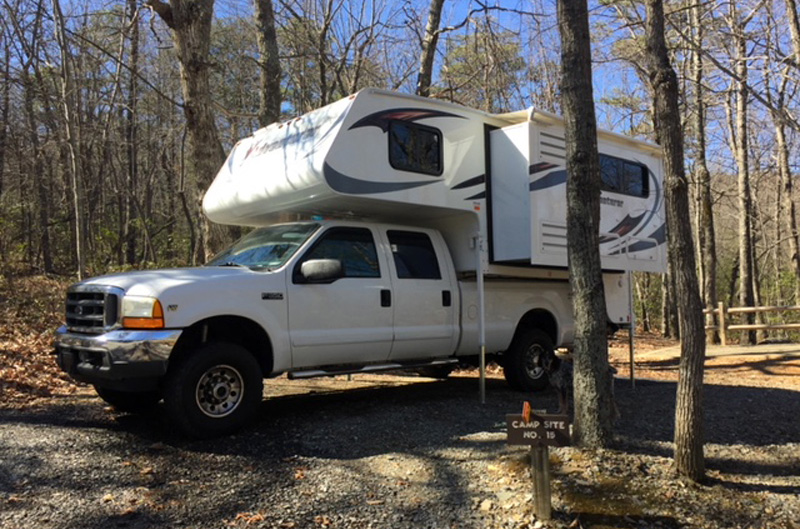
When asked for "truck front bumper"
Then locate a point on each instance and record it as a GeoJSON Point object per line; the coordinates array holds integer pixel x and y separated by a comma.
{"type": "Point", "coordinates": [121, 360]}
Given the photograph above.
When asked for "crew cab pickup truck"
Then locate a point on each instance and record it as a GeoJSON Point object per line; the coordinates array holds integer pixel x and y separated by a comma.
{"type": "Point", "coordinates": [304, 299]}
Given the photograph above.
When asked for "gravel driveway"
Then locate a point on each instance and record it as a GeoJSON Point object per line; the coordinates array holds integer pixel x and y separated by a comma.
{"type": "Point", "coordinates": [388, 451]}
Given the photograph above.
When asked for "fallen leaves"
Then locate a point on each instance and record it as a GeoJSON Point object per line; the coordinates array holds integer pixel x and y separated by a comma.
{"type": "Point", "coordinates": [32, 309]}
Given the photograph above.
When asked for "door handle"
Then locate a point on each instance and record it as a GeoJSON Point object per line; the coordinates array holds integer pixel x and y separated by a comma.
{"type": "Point", "coordinates": [447, 299]}
{"type": "Point", "coordinates": [386, 298]}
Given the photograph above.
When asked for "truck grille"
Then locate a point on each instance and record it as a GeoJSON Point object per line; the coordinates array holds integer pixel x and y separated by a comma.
{"type": "Point", "coordinates": [91, 311]}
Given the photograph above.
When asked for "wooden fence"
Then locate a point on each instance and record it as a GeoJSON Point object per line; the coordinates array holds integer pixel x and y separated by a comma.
{"type": "Point", "coordinates": [723, 315]}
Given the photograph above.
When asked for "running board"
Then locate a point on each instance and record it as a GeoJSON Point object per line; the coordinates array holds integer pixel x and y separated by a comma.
{"type": "Point", "coordinates": [342, 370]}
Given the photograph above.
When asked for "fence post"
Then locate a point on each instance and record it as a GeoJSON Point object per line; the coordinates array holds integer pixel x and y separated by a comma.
{"type": "Point", "coordinates": [723, 324]}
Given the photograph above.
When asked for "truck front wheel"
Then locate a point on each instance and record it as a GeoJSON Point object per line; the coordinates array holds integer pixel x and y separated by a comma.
{"type": "Point", "coordinates": [525, 361]}
{"type": "Point", "coordinates": [213, 391]}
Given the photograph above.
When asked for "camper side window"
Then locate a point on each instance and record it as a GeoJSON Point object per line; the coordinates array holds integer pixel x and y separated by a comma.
{"type": "Point", "coordinates": [623, 176]}
{"type": "Point", "coordinates": [415, 148]}
{"type": "Point", "coordinates": [414, 256]}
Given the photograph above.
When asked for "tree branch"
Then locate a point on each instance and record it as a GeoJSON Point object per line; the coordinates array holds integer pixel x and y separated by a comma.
{"type": "Point", "coordinates": [164, 10]}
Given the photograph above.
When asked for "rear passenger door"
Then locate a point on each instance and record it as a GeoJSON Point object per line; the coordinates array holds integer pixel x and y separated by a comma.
{"type": "Point", "coordinates": [425, 323]}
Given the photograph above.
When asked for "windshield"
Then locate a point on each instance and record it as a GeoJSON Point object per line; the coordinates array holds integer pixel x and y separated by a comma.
{"type": "Point", "coordinates": [267, 247]}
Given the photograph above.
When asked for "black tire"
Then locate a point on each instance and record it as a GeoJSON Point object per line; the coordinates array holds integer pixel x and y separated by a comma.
{"type": "Point", "coordinates": [213, 391]}
{"type": "Point", "coordinates": [129, 401]}
{"type": "Point", "coordinates": [524, 365]}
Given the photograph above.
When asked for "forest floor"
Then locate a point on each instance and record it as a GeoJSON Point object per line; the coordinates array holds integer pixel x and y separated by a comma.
{"type": "Point", "coordinates": [387, 450]}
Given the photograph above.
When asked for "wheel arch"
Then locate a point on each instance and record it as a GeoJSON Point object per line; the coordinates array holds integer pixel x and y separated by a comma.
{"type": "Point", "coordinates": [227, 328]}
{"type": "Point", "coordinates": [538, 318]}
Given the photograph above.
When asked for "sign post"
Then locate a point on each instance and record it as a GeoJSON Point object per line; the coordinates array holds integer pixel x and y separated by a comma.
{"type": "Point", "coordinates": [540, 431]}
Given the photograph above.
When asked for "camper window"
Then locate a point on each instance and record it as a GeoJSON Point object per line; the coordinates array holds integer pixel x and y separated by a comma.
{"type": "Point", "coordinates": [414, 256]}
{"type": "Point", "coordinates": [415, 148]}
{"type": "Point", "coordinates": [623, 176]}
{"type": "Point", "coordinates": [354, 247]}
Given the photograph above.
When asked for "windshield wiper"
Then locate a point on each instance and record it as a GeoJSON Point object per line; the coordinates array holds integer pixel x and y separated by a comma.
{"type": "Point", "coordinates": [229, 263]}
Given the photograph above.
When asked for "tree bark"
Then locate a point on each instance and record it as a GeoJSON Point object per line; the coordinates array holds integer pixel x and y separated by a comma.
{"type": "Point", "coordinates": [689, 437]}
{"type": "Point", "coordinates": [592, 379]}
{"type": "Point", "coordinates": [429, 42]}
{"type": "Point", "coordinates": [269, 102]}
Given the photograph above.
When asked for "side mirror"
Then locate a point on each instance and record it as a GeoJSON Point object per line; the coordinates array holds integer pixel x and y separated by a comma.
{"type": "Point", "coordinates": [321, 270]}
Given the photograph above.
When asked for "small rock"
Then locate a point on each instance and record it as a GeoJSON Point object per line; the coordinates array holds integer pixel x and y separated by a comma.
{"type": "Point", "coordinates": [486, 505]}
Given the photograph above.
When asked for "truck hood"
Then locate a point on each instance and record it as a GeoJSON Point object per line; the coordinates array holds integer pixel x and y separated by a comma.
{"type": "Point", "coordinates": [159, 282]}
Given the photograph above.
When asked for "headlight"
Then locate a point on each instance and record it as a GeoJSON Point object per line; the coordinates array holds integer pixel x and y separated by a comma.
{"type": "Point", "coordinates": [141, 312]}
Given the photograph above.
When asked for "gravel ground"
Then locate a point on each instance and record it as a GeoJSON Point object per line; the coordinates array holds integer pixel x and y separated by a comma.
{"type": "Point", "coordinates": [388, 451]}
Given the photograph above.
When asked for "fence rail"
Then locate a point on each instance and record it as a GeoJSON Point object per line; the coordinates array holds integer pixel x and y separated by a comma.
{"type": "Point", "coordinates": [723, 326]}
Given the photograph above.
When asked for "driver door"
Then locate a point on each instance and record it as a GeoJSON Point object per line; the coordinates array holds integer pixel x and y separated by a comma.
{"type": "Point", "coordinates": [347, 320]}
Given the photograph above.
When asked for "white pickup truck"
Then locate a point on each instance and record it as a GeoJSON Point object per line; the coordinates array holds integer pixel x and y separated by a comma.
{"type": "Point", "coordinates": [307, 299]}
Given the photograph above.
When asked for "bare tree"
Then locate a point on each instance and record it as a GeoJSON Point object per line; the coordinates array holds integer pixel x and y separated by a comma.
{"type": "Point", "coordinates": [269, 108]}
{"type": "Point", "coordinates": [739, 141]}
{"type": "Point", "coordinates": [5, 101]}
{"type": "Point", "coordinates": [72, 129]}
{"type": "Point", "coordinates": [592, 379]}
{"type": "Point", "coordinates": [190, 22]}
{"type": "Point", "coordinates": [429, 42]}
{"type": "Point", "coordinates": [131, 136]}
{"type": "Point", "coordinates": [666, 113]}
{"type": "Point", "coordinates": [707, 244]}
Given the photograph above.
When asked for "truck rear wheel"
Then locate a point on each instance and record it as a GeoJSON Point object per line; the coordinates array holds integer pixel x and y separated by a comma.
{"type": "Point", "coordinates": [214, 391]}
{"type": "Point", "coordinates": [525, 361]}
{"type": "Point", "coordinates": [129, 401]}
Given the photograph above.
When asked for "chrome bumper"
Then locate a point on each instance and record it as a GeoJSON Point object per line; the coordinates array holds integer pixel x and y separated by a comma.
{"type": "Point", "coordinates": [121, 359]}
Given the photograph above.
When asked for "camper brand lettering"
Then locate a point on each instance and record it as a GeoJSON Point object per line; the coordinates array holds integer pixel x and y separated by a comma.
{"type": "Point", "coordinates": [612, 202]}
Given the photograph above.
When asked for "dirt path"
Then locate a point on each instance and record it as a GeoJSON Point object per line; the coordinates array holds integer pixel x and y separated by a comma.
{"type": "Point", "coordinates": [767, 365]}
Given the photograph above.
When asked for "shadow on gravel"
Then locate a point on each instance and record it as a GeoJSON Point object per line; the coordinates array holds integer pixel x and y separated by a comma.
{"type": "Point", "coordinates": [733, 414]}
{"type": "Point", "coordinates": [435, 424]}
{"type": "Point", "coordinates": [594, 520]}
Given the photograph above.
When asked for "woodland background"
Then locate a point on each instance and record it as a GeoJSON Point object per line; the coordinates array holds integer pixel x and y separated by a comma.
{"type": "Point", "coordinates": [94, 175]}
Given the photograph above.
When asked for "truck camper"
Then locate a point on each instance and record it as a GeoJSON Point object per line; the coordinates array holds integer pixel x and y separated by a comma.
{"type": "Point", "coordinates": [427, 233]}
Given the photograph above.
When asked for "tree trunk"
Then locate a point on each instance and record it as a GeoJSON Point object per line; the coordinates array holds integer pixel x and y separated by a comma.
{"type": "Point", "coordinates": [794, 27]}
{"type": "Point", "coordinates": [669, 312]}
{"type": "Point", "coordinates": [592, 378]}
{"type": "Point", "coordinates": [705, 231]}
{"type": "Point", "coordinates": [6, 102]}
{"type": "Point", "coordinates": [190, 22]}
{"type": "Point", "coordinates": [790, 207]}
{"type": "Point", "coordinates": [746, 295]}
{"type": "Point", "coordinates": [429, 42]}
{"type": "Point", "coordinates": [37, 168]}
{"type": "Point", "coordinates": [642, 292]}
{"type": "Point", "coordinates": [131, 132]}
{"type": "Point", "coordinates": [689, 440]}
{"type": "Point", "coordinates": [269, 102]}
{"type": "Point", "coordinates": [72, 130]}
